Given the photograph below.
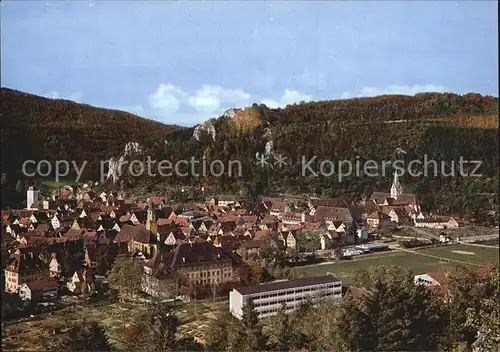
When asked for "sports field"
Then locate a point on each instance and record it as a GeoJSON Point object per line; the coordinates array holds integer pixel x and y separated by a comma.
{"type": "Point", "coordinates": [420, 261]}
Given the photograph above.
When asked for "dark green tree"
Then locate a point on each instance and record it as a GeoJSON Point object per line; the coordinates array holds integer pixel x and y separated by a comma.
{"type": "Point", "coordinates": [248, 331]}
{"type": "Point", "coordinates": [282, 336]}
{"type": "Point", "coordinates": [87, 336]}
{"type": "Point", "coordinates": [4, 179]}
{"type": "Point", "coordinates": [19, 186]}
{"type": "Point", "coordinates": [395, 315]}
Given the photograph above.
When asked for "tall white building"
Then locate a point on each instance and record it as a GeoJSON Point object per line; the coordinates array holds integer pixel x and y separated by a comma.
{"type": "Point", "coordinates": [32, 196]}
{"type": "Point", "coordinates": [396, 188]}
{"type": "Point", "coordinates": [268, 298]}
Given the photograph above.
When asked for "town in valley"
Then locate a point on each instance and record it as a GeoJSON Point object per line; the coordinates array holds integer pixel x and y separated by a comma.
{"type": "Point", "coordinates": [82, 252]}
{"type": "Point", "coordinates": [249, 176]}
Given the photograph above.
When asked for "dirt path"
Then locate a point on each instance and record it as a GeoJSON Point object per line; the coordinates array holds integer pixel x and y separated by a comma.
{"type": "Point", "coordinates": [438, 257]}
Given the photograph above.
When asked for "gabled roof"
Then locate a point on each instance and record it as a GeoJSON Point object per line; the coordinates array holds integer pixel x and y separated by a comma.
{"type": "Point", "coordinates": [137, 233]}
{"type": "Point", "coordinates": [332, 213]}
{"type": "Point", "coordinates": [27, 258]}
{"type": "Point", "coordinates": [40, 285]}
{"type": "Point", "coordinates": [262, 234]}
{"type": "Point", "coordinates": [197, 254]}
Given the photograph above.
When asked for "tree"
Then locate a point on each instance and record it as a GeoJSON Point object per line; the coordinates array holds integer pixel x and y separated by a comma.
{"type": "Point", "coordinates": [395, 315]}
{"type": "Point", "coordinates": [281, 336]}
{"type": "Point", "coordinates": [308, 240]}
{"type": "Point", "coordinates": [87, 337]}
{"type": "Point", "coordinates": [214, 290]}
{"type": "Point", "coordinates": [337, 253]}
{"type": "Point", "coordinates": [256, 273]}
{"type": "Point", "coordinates": [19, 186]}
{"type": "Point", "coordinates": [314, 326]}
{"type": "Point", "coordinates": [292, 254]}
{"type": "Point", "coordinates": [134, 337]}
{"type": "Point", "coordinates": [248, 331]}
{"type": "Point", "coordinates": [355, 327]}
{"type": "Point", "coordinates": [125, 276]}
{"type": "Point", "coordinates": [215, 335]}
{"type": "Point", "coordinates": [461, 284]}
{"type": "Point", "coordinates": [486, 320]}
{"type": "Point", "coordinates": [164, 331]}
{"type": "Point", "coordinates": [176, 285]}
{"type": "Point", "coordinates": [273, 252]}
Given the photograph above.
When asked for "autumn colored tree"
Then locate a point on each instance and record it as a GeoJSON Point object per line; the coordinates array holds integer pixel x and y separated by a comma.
{"type": "Point", "coordinates": [135, 337]}
{"type": "Point", "coordinates": [247, 120]}
{"type": "Point", "coordinates": [486, 320]}
{"type": "Point", "coordinates": [125, 276]}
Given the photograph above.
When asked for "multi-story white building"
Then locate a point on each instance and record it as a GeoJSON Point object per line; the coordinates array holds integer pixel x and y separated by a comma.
{"type": "Point", "coordinates": [268, 298]}
{"type": "Point", "coordinates": [32, 197]}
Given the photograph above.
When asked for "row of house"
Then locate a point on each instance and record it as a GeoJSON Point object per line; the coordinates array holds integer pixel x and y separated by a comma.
{"type": "Point", "coordinates": [96, 227]}
{"type": "Point", "coordinates": [397, 208]}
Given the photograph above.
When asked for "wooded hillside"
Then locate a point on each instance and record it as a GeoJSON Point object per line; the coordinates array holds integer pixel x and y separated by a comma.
{"type": "Point", "coordinates": [442, 127]}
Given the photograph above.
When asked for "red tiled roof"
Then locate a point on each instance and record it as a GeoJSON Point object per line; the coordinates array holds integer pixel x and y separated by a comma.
{"type": "Point", "coordinates": [40, 285]}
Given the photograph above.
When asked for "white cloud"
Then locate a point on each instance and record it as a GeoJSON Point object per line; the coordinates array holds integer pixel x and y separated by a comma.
{"type": "Point", "coordinates": [171, 104]}
{"type": "Point", "coordinates": [289, 97]}
{"type": "Point", "coordinates": [394, 89]}
{"type": "Point", "coordinates": [76, 96]}
{"type": "Point", "coordinates": [167, 98]}
{"type": "Point", "coordinates": [214, 99]}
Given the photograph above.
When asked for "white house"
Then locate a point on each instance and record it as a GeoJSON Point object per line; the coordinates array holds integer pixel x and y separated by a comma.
{"type": "Point", "coordinates": [225, 200]}
{"type": "Point", "coordinates": [54, 267]}
{"type": "Point", "coordinates": [362, 234]}
{"type": "Point", "coordinates": [268, 298]}
{"type": "Point", "coordinates": [430, 279]}
{"type": "Point", "coordinates": [80, 281]}
{"type": "Point", "coordinates": [39, 290]}
{"type": "Point", "coordinates": [437, 222]}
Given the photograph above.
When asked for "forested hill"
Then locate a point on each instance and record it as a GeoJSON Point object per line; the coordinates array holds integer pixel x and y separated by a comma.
{"type": "Point", "coordinates": [35, 128]}
{"type": "Point", "coordinates": [439, 126]}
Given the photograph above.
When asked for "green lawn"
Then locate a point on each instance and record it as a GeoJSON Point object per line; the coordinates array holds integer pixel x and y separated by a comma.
{"type": "Point", "coordinates": [472, 256]}
{"type": "Point", "coordinates": [475, 255]}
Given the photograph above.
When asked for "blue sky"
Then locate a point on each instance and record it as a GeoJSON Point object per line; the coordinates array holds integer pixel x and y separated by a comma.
{"type": "Point", "coordinates": [182, 62]}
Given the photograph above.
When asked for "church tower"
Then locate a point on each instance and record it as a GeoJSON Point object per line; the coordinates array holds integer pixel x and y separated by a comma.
{"type": "Point", "coordinates": [151, 218]}
{"type": "Point", "coordinates": [32, 197]}
{"type": "Point", "coordinates": [396, 188]}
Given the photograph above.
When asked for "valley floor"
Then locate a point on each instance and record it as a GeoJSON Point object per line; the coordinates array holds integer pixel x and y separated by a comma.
{"type": "Point", "coordinates": [419, 260]}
